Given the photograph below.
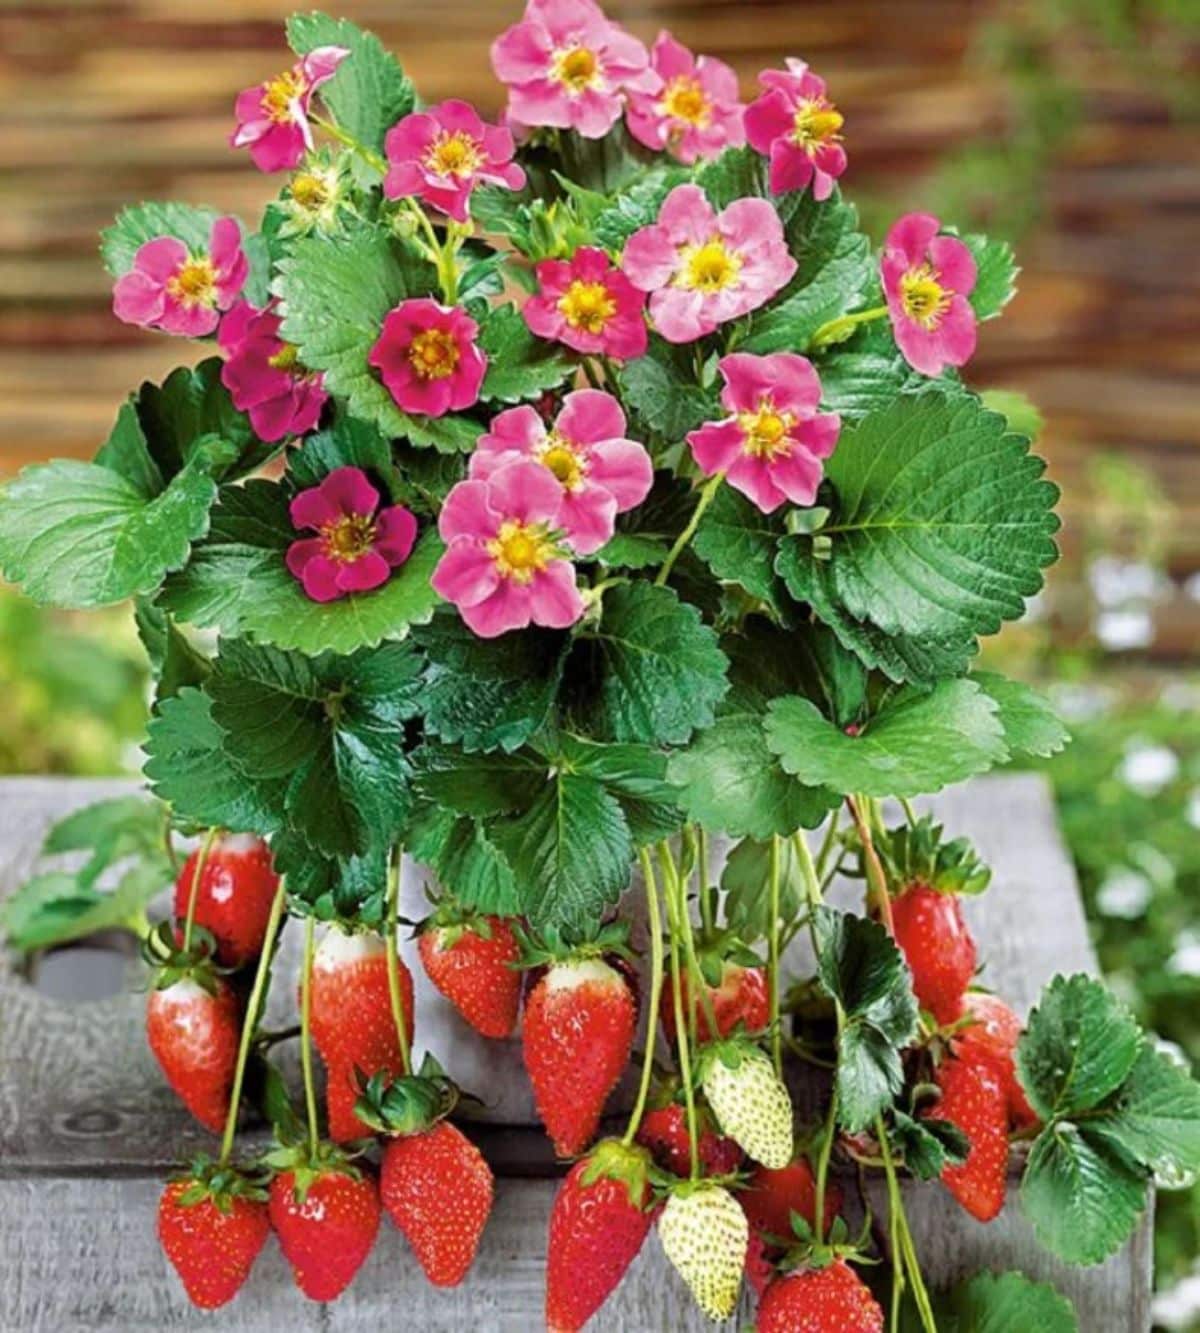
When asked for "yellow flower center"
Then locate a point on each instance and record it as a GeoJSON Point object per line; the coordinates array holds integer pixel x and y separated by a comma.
{"type": "Point", "coordinates": [454, 154]}
{"type": "Point", "coordinates": [817, 123]}
{"type": "Point", "coordinates": [349, 538]}
{"type": "Point", "coordinates": [709, 267]}
{"type": "Point", "coordinates": [280, 93]}
{"type": "Point", "coordinates": [576, 68]}
{"type": "Point", "coordinates": [684, 99]}
{"type": "Point", "coordinates": [561, 457]}
{"type": "Point", "coordinates": [287, 358]}
{"type": "Point", "coordinates": [521, 550]}
{"type": "Point", "coordinates": [310, 191]}
{"type": "Point", "coordinates": [766, 431]}
{"type": "Point", "coordinates": [194, 282]}
{"type": "Point", "coordinates": [433, 354]}
{"type": "Point", "coordinates": [923, 297]}
{"type": "Point", "coordinates": [587, 305]}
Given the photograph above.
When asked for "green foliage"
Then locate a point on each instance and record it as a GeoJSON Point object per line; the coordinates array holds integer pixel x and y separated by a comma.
{"type": "Point", "coordinates": [738, 542]}
{"type": "Point", "coordinates": [996, 276]}
{"type": "Point", "coordinates": [139, 223]}
{"type": "Point", "coordinates": [746, 880]}
{"type": "Point", "coordinates": [519, 365]}
{"type": "Point", "coordinates": [1000, 1303]}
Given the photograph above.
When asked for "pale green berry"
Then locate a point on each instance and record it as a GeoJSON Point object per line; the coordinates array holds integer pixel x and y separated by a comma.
{"type": "Point", "coordinates": [751, 1105]}
{"type": "Point", "coordinates": [704, 1233]}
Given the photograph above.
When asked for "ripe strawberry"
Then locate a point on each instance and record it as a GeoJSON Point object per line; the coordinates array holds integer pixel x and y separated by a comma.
{"type": "Point", "coordinates": [352, 1022]}
{"type": "Point", "coordinates": [438, 1190]}
{"type": "Point", "coordinates": [749, 1100]}
{"type": "Point", "coordinates": [759, 1270]}
{"type": "Point", "coordinates": [974, 1100]}
{"type": "Point", "coordinates": [820, 1300]}
{"type": "Point", "coordinates": [600, 1218]}
{"type": "Point", "coordinates": [193, 1028]}
{"type": "Point", "coordinates": [471, 962]}
{"type": "Point", "coordinates": [233, 897]}
{"type": "Point", "coordinates": [664, 1131]}
{"type": "Point", "coordinates": [740, 998]}
{"type": "Point", "coordinates": [992, 1039]}
{"type": "Point", "coordinates": [770, 1198]}
{"type": "Point", "coordinates": [211, 1226]}
{"type": "Point", "coordinates": [579, 1024]}
{"type": "Point", "coordinates": [931, 931]}
{"type": "Point", "coordinates": [704, 1234]}
{"type": "Point", "coordinates": [326, 1219]}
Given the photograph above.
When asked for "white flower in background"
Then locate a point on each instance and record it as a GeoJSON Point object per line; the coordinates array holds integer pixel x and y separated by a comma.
{"type": "Point", "coordinates": [1148, 768]}
{"type": "Point", "coordinates": [1116, 582]}
{"type": "Point", "coordinates": [1125, 894]}
{"type": "Point", "coordinates": [1119, 631]}
{"type": "Point", "coordinates": [1192, 587]}
{"type": "Point", "coordinates": [1185, 961]}
{"type": "Point", "coordinates": [1193, 808]}
{"type": "Point", "coordinates": [1179, 1306]}
{"type": "Point", "coordinates": [1081, 703]}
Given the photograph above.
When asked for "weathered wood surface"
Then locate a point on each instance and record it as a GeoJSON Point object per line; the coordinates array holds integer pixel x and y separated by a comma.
{"type": "Point", "coordinates": [87, 1126]}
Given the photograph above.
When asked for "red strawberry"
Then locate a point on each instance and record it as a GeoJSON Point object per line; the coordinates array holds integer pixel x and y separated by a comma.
{"type": "Point", "coordinates": [211, 1237]}
{"type": "Point", "coordinates": [664, 1131]}
{"type": "Point", "coordinates": [326, 1221]}
{"type": "Point", "coordinates": [352, 1022]}
{"type": "Point", "coordinates": [234, 896]}
{"type": "Point", "coordinates": [820, 1300]}
{"type": "Point", "coordinates": [740, 998]}
{"type": "Point", "coordinates": [579, 1024]}
{"type": "Point", "coordinates": [438, 1190]}
{"type": "Point", "coordinates": [471, 963]}
{"type": "Point", "coordinates": [992, 1039]}
{"type": "Point", "coordinates": [600, 1218]}
{"type": "Point", "coordinates": [974, 1100]}
{"type": "Point", "coordinates": [759, 1269]}
{"type": "Point", "coordinates": [193, 1028]}
{"type": "Point", "coordinates": [770, 1198]}
{"type": "Point", "coordinates": [930, 929]}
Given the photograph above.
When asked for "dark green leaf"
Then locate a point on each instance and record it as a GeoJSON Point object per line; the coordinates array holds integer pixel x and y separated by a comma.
{"type": "Point", "coordinates": [1031, 726]}
{"type": "Point", "coordinates": [928, 1145]}
{"type": "Point", "coordinates": [465, 859]}
{"type": "Point", "coordinates": [661, 392]}
{"type": "Point", "coordinates": [352, 889]}
{"type": "Point", "coordinates": [520, 366]}
{"type": "Point", "coordinates": [474, 784]}
{"type": "Point", "coordinates": [175, 661]}
{"type": "Point", "coordinates": [1155, 1117]}
{"type": "Point", "coordinates": [738, 542]}
{"type": "Point", "coordinates": [746, 880]}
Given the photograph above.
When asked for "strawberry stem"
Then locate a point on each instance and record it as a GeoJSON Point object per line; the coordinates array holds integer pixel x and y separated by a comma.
{"type": "Point", "coordinates": [827, 845]}
{"type": "Point", "coordinates": [706, 903]}
{"type": "Point", "coordinates": [194, 892]}
{"type": "Point", "coordinates": [707, 491]}
{"type": "Point", "coordinates": [310, 1095]}
{"type": "Point", "coordinates": [877, 895]}
{"type": "Point", "coordinates": [773, 959]}
{"type": "Point", "coordinates": [654, 928]}
{"type": "Point", "coordinates": [826, 1148]}
{"type": "Point", "coordinates": [681, 1038]}
{"type": "Point", "coordinates": [698, 985]}
{"type": "Point", "coordinates": [368, 155]}
{"type": "Point", "coordinates": [904, 1253]}
{"type": "Point", "coordinates": [393, 965]}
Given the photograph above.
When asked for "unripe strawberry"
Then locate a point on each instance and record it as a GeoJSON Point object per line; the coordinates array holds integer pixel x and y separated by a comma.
{"type": "Point", "coordinates": [749, 1100]}
{"type": "Point", "coordinates": [704, 1234]}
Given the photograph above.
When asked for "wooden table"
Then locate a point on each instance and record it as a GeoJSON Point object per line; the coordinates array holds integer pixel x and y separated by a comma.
{"type": "Point", "coordinates": [88, 1130]}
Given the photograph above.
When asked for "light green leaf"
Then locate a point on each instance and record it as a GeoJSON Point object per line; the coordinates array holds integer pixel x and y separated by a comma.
{"type": "Point", "coordinates": [56, 908]}
{"type": "Point", "coordinates": [520, 366]}
{"type": "Point", "coordinates": [636, 206]}
{"type": "Point", "coordinates": [1005, 1303]}
{"type": "Point", "coordinates": [632, 550]}
{"type": "Point", "coordinates": [996, 279]}
{"type": "Point", "coordinates": [1022, 414]}
{"type": "Point", "coordinates": [738, 542]}
{"type": "Point", "coordinates": [139, 223]}
{"type": "Point", "coordinates": [1031, 726]}
{"type": "Point", "coordinates": [1155, 1116]}
{"type": "Point", "coordinates": [465, 859]}
{"type": "Point", "coordinates": [661, 392]}
{"type": "Point", "coordinates": [746, 880]}
{"type": "Point", "coordinates": [109, 831]}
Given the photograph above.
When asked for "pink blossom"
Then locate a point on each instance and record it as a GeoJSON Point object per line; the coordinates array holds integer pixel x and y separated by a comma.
{"type": "Point", "coordinates": [601, 472]}
{"type": "Point", "coordinates": [427, 357]}
{"type": "Point", "coordinates": [588, 304]}
{"type": "Point", "coordinates": [771, 445]}
{"type": "Point", "coordinates": [799, 129]}
{"type": "Point", "coordinates": [696, 113]}
{"type": "Point", "coordinates": [702, 268]}
{"type": "Point", "coordinates": [504, 566]}
{"type": "Point", "coordinates": [273, 116]}
{"type": "Point", "coordinates": [264, 376]}
{"type": "Point", "coordinates": [926, 280]}
{"type": "Point", "coordinates": [567, 65]}
{"type": "Point", "coordinates": [172, 289]}
{"type": "Point", "coordinates": [442, 153]}
{"type": "Point", "coordinates": [358, 543]}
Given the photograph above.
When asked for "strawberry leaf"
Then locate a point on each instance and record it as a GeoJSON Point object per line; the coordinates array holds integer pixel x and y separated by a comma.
{"type": "Point", "coordinates": [1004, 1303]}
{"type": "Point", "coordinates": [139, 223]}
{"type": "Point", "coordinates": [1031, 726]}
{"type": "Point", "coordinates": [520, 366]}
{"type": "Point", "coordinates": [746, 881]}
{"type": "Point", "coordinates": [463, 855]}
{"type": "Point", "coordinates": [996, 275]}
{"type": "Point", "coordinates": [738, 542]}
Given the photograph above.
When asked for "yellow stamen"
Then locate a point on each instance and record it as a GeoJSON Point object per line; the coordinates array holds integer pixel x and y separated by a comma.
{"type": "Point", "coordinates": [287, 358]}
{"type": "Point", "coordinates": [684, 99]}
{"type": "Point", "coordinates": [194, 282]}
{"type": "Point", "coordinates": [587, 305]}
{"type": "Point", "coordinates": [709, 267]}
{"type": "Point", "coordinates": [766, 432]}
{"type": "Point", "coordinates": [576, 68]}
{"type": "Point", "coordinates": [280, 93]}
{"type": "Point", "coordinates": [561, 457]}
{"type": "Point", "coordinates": [349, 538]}
{"type": "Point", "coordinates": [817, 123]}
{"type": "Point", "coordinates": [521, 550]}
{"type": "Point", "coordinates": [433, 354]}
{"type": "Point", "coordinates": [453, 154]}
{"type": "Point", "coordinates": [310, 191]}
{"type": "Point", "coordinates": [923, 297]}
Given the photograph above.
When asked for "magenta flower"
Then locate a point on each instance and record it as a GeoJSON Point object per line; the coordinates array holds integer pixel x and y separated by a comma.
{"type": "Point", "coordinates": [926, 280]}
{"type": "Point", "coordinates": [795, 125]}
{"type": "Point", "coordinates": [588, 304]}
{"type": "Point", "coordinates": [264, 376]}
{"type": "Point", "coordinates": [427, 357]}
{"type": "Point", "coordinates": [601, 472]}
{"type": "Point", "coordinates": [696, 113]}
{"type": "Point", "coordinates": [442, 153]}
{"type": "Point", "coordinates": [170, 288]}
{"type": "Point", "coordinates": [702, 268]}
{"type": "Point", "coordinates": [504, 566]}
{"type": "Point", "coordinates": [357, 544]}
{"type": "Point", "coordinates": [567, 65]}
{"type": "Point", "coordinates": [273, 116]}
{"type": "Point", "coordinates": [771, 445]}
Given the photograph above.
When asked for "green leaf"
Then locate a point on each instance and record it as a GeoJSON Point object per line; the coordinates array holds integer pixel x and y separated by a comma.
{"type": "Point", "coordinates": [1078, 1046]}
{"type": "Point", "coordinates": [109, 831]}
{"type": "Point", "coordinates": [1005, 1303]}
{"type": "Point", "coordinates": [636, 775]}
{"type": "Point", "coordinates": [1155, 1117]}
{"type": "Point", "coordinates": [996, 279]}
{"type": "Point", "coordinates": [855, 384]}
{"type": "Point", "coordinates": [1031, 726]}
{"type": "Point", "coordinates": [175, 661]}
{"type": "Point", "coordinates": [916, 743]}
{"type": "Point", "coordinates": [474, 784]}
{"type": "Point", "coordinates": [1083, 1201]}
{"type": "Point", "coordinates": [56, 908]}
{"type": "Point", "coordinates": [738, 542]}
{"type": "Point", "coordinates": [520, 366]}
{"type": "Point", "coordinates": [465, 859]}
{"type": "Point", "coordinates": [348, 442]}
{"type": "Point", "coordinates": [655, 672]}
{"type": "Point", "coordinates": [1023, 416]}
{"type": "Point", "coordinates": [928, 1145]}
{"type": "Point", "coordinates": [351, 889]}
{"type": "Point", "coordinates": [746, 880]}
{"type": "Point", "coordinates": [636, 206]}
{"type": "Point", "coordinates": [632, 550]}
{"type": "Point", "coordinates": [139, 223]}
{"type": "Point", "coordinates": [660, 390]}
{"type": "Point", "coordinates": [734, 174]}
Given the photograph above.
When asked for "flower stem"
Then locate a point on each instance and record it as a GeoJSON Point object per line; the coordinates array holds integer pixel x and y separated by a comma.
{"type": "Point", "coordinates": [654, 929]}
{"type": "Point", "coordinates": [393, 963]}
{"type": "Point", "coordinates": [877, 895]}
{"type": "Point", "coordinates": [681, 1038]}
{"type": "Point", "coordinates": [310, 1095]}
{"type": "Point", "coordinates": [812, 885]}
{"type": "Point", "coordinates": [706, 497]}
{"type": "Point", "coordinates": [827, 845]}
{"type": "Point", "coordinates": [368, 155]}
{"type": "Point", "coordinates": [837, 330]}
{"type": "Point", "coordinates": [773, 959]}
{"type": "Point", "coordinates": [194, 892]}
{"type": "Point", "coordinates": [698, 988]}
{"type": "Point", "coordinates": [251, 1020]}
{"type": "Point", "coordinates": [706, 904]}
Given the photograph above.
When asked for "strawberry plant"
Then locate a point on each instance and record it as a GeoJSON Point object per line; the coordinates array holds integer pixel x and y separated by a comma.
{"type": "Point", "coordinates": [553, 499]}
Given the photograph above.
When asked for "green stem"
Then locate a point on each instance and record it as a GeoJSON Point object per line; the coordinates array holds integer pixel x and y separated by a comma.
{"type": "Point", "coordinates": [707, 492]}
{"type": "Point", "coordinates": [827, 845]}
{"type": "Point", "coordinates": [681, 1039]}
{"type": "Point", "coordinates": [589, 369]}
{"type": "Point", "coordinates": [393, 963]}
{"type": "Point", "coordinates": [909, 813]}
{"type": "Point", "coordinates": [169, 846]}
{"type": "Point", "coordinates": [698, 987]}
{"type": "Point", "coordinates": [773, 959]}
{"type": "Point", "coordinates": [368, 155]}
{"type": "Point", "coordinates": [836, 330]}
{"type": "Point", "coordinates": [877, 895]}
{"type": "Point", "coordinates": [249, 1023]}
{"type": "Point", "coordinates": [826, 1152]}
{"type": "Point", "coordinates": [194, 892]}
{"type": "Point", "coordinates": [310, 1094]}
{"type": "Point", "coordinates": [904, 1254]}
{"type": "Point", "coordinates": [654, 928]}
{"type": "Point", "coordinates": [706, 904]}
{"type": "Point", "coordinates": [812, 885]}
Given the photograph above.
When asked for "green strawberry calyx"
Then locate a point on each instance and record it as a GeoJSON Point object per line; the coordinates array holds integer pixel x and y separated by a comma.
{"type": "Point", "coordinates": [916, 854]}
{"type": "Point", "coordinates": [410, 1104]}
{"type": "Point", "coordinates": [220, 1183]}
{"type": "Point", "coordinates": [308, 1166]}
{"type": "Point", "coordinates": [628, 1163]}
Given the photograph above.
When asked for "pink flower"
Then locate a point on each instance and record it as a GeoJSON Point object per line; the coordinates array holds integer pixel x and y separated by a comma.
{"type": "Point", "coordinates": [273, 116]}
{"type": "Point", "coordinates": [601, 472]}
{"type": "Point", "coordinates": [703, 269]}
{"type": "Point", "coordinates": [696, 113]}
{"type": "Point", "coordinates": [771, 445]}
{"type": "Point", "coordinates": [427, 357]}
{"type": "Point", "coordinates": [358, 544]}
{"type": "Point", "coordinates": [588, 304]}
{"type": "Point", "coordinates": [566, 65]}
{"type": "Point", "coordinates": [504, 566]}
{"type": "Point", "coordinates": [799, 129]}
{"type": "Point", "coordinates": [264, 377]}
{"type": "Point", "coordinates": [171, 289]}
{"type": "Point", "coordinates": [926, 280]}
{"type": "Point", "coordinates": [443, 153]}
